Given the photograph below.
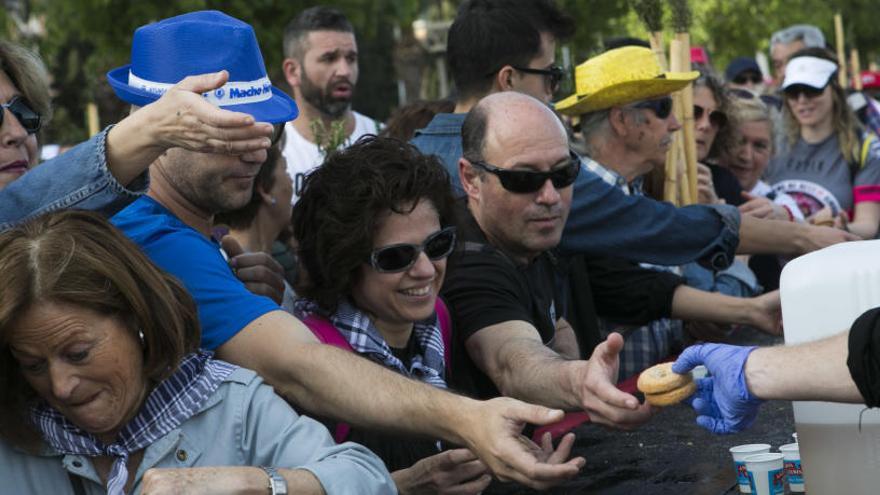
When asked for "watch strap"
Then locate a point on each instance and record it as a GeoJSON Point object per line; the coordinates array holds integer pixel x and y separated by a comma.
{"type": "Point", "coordinates": [277, 483]}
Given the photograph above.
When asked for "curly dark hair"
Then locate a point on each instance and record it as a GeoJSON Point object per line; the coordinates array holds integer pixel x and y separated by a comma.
{"type": "Point", "coordinates": [343, 202]}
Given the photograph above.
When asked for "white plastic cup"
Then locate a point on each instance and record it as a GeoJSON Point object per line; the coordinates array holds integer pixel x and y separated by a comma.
{"type": "Point", "coordinates": [766, 473]}
{"type": "Point", "coordinates": [740, 452]}
{"type": "Point", "coordinates": [791, 458]}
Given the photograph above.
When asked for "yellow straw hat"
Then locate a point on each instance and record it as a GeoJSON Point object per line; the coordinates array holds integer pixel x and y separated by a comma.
{"type": "Point", "coordinates": [618, 77]}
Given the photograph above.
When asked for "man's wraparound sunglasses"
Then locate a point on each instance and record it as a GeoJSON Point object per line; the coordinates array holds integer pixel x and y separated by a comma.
{"type": "Point", "coordinates": [717, 119]}
{"type": "Point", "coordinates": [401, 257]}
{"type": "Point", "coordinates": [552, 75]}
{"type": "Point", "coordinates": [661, 107]}
{"type": "Point", "coordinates": [27, 117]}
{"type": "Point", "coordinates": [527, 181]}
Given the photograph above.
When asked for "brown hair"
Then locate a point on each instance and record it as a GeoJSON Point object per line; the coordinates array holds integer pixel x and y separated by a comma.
{"type": "Point", "coordinates": [28, 74]}
{"type": "Point", "coordinates": [78, 258]}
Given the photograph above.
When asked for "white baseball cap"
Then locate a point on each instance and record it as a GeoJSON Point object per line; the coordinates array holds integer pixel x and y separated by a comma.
{"type": "Point", "coordinates": [814, 72]}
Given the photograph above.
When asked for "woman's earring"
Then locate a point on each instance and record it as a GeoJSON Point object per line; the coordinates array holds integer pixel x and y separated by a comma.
{"type": "Point", "coordinates": [272, 200]}
{"type": "Point", "coordinates": [141, 336]}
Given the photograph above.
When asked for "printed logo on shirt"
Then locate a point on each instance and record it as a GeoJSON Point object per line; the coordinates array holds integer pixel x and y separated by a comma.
{"type": "Point", "coordinates": [809, 196]}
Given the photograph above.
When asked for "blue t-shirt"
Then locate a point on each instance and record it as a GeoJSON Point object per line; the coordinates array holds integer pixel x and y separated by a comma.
{"type": "Point", "coordinates": [225, 306]}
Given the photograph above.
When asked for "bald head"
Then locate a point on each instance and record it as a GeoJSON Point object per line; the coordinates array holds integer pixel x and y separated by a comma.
{"type": "Point", "coordinates": [504, 117]}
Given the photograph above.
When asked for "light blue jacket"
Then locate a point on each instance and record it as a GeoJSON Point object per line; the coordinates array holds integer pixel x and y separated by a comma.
{"type": "Point", "coordinates": [244, 424]}
{"type": "Point", "coordinates": [78, 178]}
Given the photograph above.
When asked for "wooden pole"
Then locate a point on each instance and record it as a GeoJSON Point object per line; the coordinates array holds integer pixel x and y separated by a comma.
{"type": "Point", "coordinates": [657, 47]}
{"type": "Point", "coordinates": [94, 125]}
{"type": "Point", "coordinates": [688, 124]}
{"type": "Point", "coordinates": [677, 153]}
{"type": "Point", "coordinates": [856, 69]}
{"type": "Point", "coordinates": [841, 54]}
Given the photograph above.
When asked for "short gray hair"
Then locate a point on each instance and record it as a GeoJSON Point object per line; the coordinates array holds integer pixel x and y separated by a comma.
{"type": "Point", "coordinates": [597, 124]}
{"type": "Point", "coordinates": [810, 35]}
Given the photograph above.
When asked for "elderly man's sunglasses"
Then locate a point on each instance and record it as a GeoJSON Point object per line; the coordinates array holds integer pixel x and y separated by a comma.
{"type": "Point", "coordinates": [717, 119]}
{"type": "Point", "coordinates": [401, 257]}
{"type": "Point", "coordinates": [553, 75]}
{"type": "Point", "coordinates": [661, 107]}
{"type": "Point", "coordinates": [27, 117]}
{"type": "Point", "coordinates": [527, 181]}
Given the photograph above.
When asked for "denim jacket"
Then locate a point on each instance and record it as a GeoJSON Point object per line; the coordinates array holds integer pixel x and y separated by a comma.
{"type": "Point", "coordinates": [78, 178]}
{"type": "Point", "coordinates": [605, 222]}
{"type": "Point", "coordinates": [243, 424]}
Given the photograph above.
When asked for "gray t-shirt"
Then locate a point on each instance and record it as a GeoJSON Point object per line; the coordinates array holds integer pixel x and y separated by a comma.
{"type": "Point", "coordinates": [818, 176]}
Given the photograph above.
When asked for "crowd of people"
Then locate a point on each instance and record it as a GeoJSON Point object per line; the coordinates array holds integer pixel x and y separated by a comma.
{"type": "Point", "coordinates": [236, 289]}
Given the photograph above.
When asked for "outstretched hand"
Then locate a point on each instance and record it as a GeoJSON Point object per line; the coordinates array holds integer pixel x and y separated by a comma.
{"type": "Point", "coordinates": [761, 207]}
{"type": "Point", "coordinates": [498, 441]}
{"type": "Point", "coordinates": [723, 401]}
{"type": "Point", "coordinates": [767, 313]}
{"type": "Point", "coordinates": [600, 397]}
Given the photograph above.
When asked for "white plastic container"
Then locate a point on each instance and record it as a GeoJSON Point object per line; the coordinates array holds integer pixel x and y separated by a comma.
{"type": "Point", "coordinates": [822, 294]}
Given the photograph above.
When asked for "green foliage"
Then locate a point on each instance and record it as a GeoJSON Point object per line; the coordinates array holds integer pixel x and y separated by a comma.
{"type": "Point", "coordinates": [86, 38]}
{"type": "Point", "coordinates": [650, 12]}
{"type": "Point", "coordinates": [681, 15]}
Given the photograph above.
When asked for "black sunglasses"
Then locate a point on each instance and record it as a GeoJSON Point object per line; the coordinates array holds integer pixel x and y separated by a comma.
{"type": "Point", "coordinates": [769, 100]}
{"type": "Point", "coordinates": [748, 78]}
{"type": "Point", "coordinates": [401, 257]}
{"type": "Point", "coordinates": [527, 181]}
{"type": "Point", "coordinates": [795, 91]}
{"type": "Point", "coordinates": [717, 119]}
{"type": "Point", "coordinates": [661, 107]}
{"type": "Point", "coordinates": [552, 75]}
{"type": "Point", "coordinates": [27, 117]}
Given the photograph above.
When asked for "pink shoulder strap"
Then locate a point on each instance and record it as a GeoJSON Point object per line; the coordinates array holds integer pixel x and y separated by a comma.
{"type": "Point", "coordinates": [446, 331]}
{"type": "Point", "coordinates": [328, 334]}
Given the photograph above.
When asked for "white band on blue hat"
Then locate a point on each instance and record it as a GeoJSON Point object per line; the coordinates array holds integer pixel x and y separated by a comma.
{"type": "Point", "coordinates": [231, 93]}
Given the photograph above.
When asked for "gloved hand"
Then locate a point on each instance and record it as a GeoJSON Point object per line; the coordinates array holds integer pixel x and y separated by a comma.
{"type": "Point", "coordinates": [723, 402]}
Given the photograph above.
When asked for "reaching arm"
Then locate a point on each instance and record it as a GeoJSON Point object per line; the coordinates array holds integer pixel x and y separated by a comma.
{"type": "Point", "coordinates": [339, 384]}
{"type": "Point", "coordinates": [762, 312]}
{"type": "Point", "coordinates": [521, 366]}
{"type": "Point", "coordinates": [866, 219]}
{"type": "Point", "coordinates": [238, 480]}
{"type": "Point", "coordinates": [761, 236]}
{"type": "Point", "coordinates": [565, 343]}
{"type": "Point", "coordinates": [779, 372]}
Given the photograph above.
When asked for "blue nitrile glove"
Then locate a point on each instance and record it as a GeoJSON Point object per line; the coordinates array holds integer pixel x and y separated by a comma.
{"type": "Point", "coordinates": [723, 402]}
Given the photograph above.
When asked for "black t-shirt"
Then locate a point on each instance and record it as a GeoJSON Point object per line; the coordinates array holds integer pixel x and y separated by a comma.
{"type": "Point", "coordinates": [484, 287]}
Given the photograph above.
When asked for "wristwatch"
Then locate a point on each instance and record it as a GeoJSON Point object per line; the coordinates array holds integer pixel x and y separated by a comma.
{"type": "Point", "coordinates": [277, 483]}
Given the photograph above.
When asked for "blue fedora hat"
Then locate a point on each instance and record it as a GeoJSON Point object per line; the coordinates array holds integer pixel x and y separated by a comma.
{"type": "Point", "coordinates": [165, 52]}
